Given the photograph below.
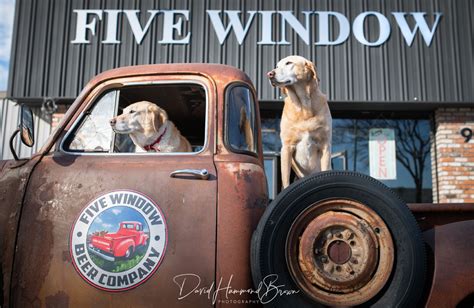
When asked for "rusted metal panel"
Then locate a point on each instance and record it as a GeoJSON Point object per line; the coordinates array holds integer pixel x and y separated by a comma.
{"type": "Point", "coordinates": [242, 198]}
{"type": "Point", "coordinates": [13, 181]}
{"type": "Point", "coordinates": [63, 184]}
{"type": "Point", "coordinates": [60, 188]}
{"type": "Point", "coordinates": [452, 249]}
{"type": "Point", "coordinates": [430, 215]}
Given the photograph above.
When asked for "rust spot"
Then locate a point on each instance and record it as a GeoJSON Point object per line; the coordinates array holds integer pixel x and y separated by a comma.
{"type": "Point", "coordinates": [339, 252]}
{"type": "Point", "coordinates": [245, 175]}
{"type": "Point", "coordinates": [259, 203]}
{"type": "Point", "coordinates": [31, 278]}
{"type": "Point", "coordinates": [321, 244]}
{"type": "Point", "coordinates": [46, 192]}
{"type": "Point", "coordinates": [66, 256]}
{"type": "Point", "coordinates": [58, 300]}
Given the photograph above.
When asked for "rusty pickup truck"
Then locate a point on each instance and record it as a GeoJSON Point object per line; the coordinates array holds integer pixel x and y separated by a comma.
{"type": "Point", "coordinates": [335, 238]}
{"type": "Point", "coordinates": [123, 243]}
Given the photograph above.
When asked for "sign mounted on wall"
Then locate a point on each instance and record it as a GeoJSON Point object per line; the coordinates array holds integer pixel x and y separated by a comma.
{"type": "Point", "coordinates": [173, 27]}
{"type": "Point", "coordinates": [382, 154]}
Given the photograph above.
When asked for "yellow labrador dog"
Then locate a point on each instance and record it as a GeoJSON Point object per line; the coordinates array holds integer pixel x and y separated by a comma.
{"type": "Point", "coordinates": [149, 128]}
{"type": "Point", "coordinates": [306, 123]}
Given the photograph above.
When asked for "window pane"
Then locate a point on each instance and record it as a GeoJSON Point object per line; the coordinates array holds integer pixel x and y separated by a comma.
{"type": "Point", "coordinates": [271, 170]}
{"type": "Point", "coordinates": [95, 133]}
{"type": "Point", "coordinates": [240, 119]}
{"type": "Point", "coordinates": [271, 141]}
{"type": "Point", "coordinates": [350, 151]}
{"type": "Point", "coordinates": [412, 145]}
{"type": "Point", "coordinates": [185, 108]}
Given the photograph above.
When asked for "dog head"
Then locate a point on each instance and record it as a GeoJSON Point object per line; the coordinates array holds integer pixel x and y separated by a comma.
{"type": "Point", "coordinates": [292, 70]}
{"type": "Point", "coordinates": [141, 117]}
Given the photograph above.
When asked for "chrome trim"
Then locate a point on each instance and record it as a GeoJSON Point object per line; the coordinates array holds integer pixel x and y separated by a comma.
{"type": "Point", "coordinates": [137, 83]}
{"type": "Point", "coordinates": [116, 108]}
{"type": "Point", "coordinates": [202, 174]}
{"type": "Point", "coordinates": [101, 255]}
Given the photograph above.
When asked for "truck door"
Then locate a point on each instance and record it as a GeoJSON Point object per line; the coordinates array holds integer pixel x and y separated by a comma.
{"type": "Point", "coordinates": [94, 179]}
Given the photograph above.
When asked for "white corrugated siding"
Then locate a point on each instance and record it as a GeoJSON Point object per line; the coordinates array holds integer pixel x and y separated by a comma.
{"type": "Point", "coordinates": [9, 120]}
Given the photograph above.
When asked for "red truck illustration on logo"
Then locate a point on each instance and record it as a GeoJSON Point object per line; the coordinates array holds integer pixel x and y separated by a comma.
{"type": "Point", "coordinates": [128, 238]}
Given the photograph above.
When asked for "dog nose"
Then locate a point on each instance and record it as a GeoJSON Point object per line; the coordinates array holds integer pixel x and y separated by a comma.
{"type": "Point", "coordinates": [271, 74]}
{"type": "Point", "coordinates": [113, 121]}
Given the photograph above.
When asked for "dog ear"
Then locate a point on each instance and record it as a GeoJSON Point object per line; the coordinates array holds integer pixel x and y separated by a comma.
{"type": "Point", "coordinates": [158, 115]}
{"type": "Point", "coordinates": [309, 65]}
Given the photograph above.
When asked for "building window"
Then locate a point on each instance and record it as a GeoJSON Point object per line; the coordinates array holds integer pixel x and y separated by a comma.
{"type": "Point", "coordinates": [240, 126]}
{"type": "Point", "coordinates": [350, 151]}
{"type": "Point", "coordinates": [412, 160]}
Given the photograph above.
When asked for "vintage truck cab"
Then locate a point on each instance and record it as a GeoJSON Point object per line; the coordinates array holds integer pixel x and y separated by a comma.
{"type": "Point", "coordinates": [335, 238]}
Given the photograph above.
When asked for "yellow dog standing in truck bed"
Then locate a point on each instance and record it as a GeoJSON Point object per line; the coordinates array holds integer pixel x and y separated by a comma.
{"type": "Point", "coordinates": [306, 123]}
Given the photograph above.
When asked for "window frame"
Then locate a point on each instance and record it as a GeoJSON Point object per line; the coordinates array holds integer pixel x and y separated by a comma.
{"type": "Point", "coordinates": [273, 157]}
{"type": "Point", "coordinates": [227, 144]}
{"type": "Point", "coordinates": [117, 87]}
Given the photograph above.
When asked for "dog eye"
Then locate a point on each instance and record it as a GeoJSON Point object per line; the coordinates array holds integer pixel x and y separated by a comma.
{"type": "Point", "coordinates": [132, 111]}
{"type": "Point", "coordinates": [288, 63]}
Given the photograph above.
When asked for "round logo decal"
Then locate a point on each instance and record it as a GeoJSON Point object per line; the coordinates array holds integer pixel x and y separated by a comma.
{"type": "Point", "coordinates": [118, 241]}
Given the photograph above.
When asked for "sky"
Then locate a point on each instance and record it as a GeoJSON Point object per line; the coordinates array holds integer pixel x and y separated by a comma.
{"type": "Point", "coordinates": [7, 10]}
{"type": "Point", "coordinates": [110, 219]}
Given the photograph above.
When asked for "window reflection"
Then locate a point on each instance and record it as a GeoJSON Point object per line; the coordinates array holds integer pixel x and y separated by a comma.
{"type": "Point", "coordinates": [240, 119]}
{"type": "Point", "coordinates": [413, 161]}
{"type": "Point", "coordinates": [350, 149]}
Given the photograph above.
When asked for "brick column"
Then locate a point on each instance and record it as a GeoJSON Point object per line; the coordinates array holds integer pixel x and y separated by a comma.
{"type": "Point", "coordinates": [57, 116]}
{"type": "Point", "coordinates": [454, 161]}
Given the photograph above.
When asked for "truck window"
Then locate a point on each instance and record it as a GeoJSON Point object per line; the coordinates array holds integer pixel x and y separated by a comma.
{"type": "Point", "coordinates": [127, 226]}
{"type": "Point", "coordinates": [240, 126]}
{"type": "Point", "coordinates": [94, 133]}
{"type": "Point", "coordinates": [184, 103]}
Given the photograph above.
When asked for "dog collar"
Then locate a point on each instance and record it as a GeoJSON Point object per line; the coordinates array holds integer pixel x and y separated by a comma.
{"type": "Point", "coordinates": [150, 146]}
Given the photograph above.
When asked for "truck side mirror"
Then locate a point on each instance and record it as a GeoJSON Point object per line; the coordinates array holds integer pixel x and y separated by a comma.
{"type": "Point", "coordinates": [27, 127]}
{"type": "Point", "coordinates": [26, 130]}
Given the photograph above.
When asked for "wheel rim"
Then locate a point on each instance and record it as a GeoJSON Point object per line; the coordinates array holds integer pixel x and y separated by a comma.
{"type": "Point", "coordinates": [128, 253]}
{"type": "Point", "coordinates": [339, 252]}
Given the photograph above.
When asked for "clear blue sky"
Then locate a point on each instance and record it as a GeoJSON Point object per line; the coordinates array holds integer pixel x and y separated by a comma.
{"type": "Point", "coordinates": [7, 10]}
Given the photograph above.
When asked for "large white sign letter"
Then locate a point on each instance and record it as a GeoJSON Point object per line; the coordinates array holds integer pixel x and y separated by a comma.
{"type": "Point", "coordinates": [409, 35]}
{"type": "Point", "coordinates": [82, 26]}
{"type": "Point", "coordinates": [384, 28]}
{"type": "Point", "coordinates": [234, 23]}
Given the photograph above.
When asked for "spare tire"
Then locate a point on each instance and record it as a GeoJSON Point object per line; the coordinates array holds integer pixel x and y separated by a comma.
{"type": "Point", "coordinates": [338, 238]}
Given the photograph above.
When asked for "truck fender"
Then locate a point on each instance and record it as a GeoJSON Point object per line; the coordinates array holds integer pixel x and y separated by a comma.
{"type": "Point", "coordinates": [144, 239]}
{"type": "Point", "coordinates": [121, 249]}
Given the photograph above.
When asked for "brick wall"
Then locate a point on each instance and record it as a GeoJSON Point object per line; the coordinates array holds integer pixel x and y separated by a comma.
{"type": "Point", "coordinates": [58, 115]}
{"type": "Point", "coordinates": [453, 168]}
